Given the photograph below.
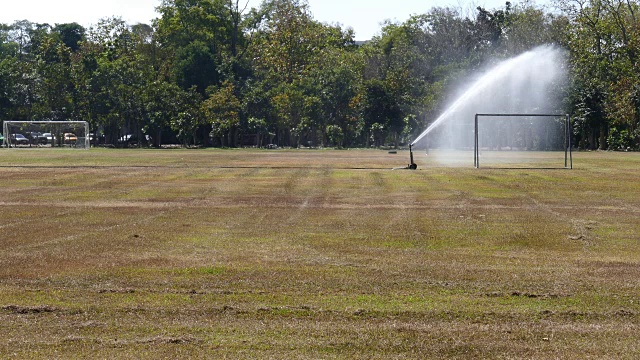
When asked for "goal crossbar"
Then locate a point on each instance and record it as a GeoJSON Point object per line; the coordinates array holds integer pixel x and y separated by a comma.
{"type": "Point", "coordinates": [568, 155]}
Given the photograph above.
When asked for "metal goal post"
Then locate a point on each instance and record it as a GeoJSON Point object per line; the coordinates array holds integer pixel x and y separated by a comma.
{"type": "Point", "coordinates": [568, 155]}
{"type": "Point", "coordinates": [71, 134]}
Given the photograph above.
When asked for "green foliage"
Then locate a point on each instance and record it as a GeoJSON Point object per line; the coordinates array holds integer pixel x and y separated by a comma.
{"type": "Point", "coordinates": [307, 81]}
{"type": "Point", "coordinates": [335, 135]}
{"type": "Point", "coordinates": [70, 34]}
{"type": "Point", "coordinates": [196, 65]}
{"type": "Point", "coordinates": [221, 111]}
{"type": "Point", "coordinates": [528, 26]}
{"type": "Point", "coordinates": [604, 45]}
{"type": "Point", "coordinates": [167, 105]}
{"type": "Point", "coordinates": [380, 108]}
{"type": "Point", "coordinates": [8, 88]}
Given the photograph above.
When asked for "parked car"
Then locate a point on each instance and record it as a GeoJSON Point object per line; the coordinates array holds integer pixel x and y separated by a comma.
{"type": "Point", "coordinates": [19, 139]}
{"type": "Point", "coordinates": [49, 138]}
{"type": "Point", "coordinates": [70, 138]}
{"type": "Point", "coordinates": [127, 138]}
{"type": "Point", "coordinates": [132, 140]}
{"type": "Point", "coordinates": [97, 139]}
{"type": "Point", "coordinates": [38, 138]}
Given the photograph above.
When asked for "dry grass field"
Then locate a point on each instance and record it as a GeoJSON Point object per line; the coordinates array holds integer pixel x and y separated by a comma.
{"type": "Point", "coordinates": [296, 254]}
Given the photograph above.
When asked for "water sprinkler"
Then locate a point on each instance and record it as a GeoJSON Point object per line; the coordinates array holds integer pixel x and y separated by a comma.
{"type": "Point", "coordinates": [412, 165]}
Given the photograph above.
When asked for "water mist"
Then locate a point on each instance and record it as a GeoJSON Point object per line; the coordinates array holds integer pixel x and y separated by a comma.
{"type": "Point", "coordinates": [527, 83]}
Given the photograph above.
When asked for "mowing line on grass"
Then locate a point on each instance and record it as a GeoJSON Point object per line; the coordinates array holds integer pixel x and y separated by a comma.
{"type": "Point", "coordinates": [181, 167]}
{"type": "Point", "coordinates": [219, 205]}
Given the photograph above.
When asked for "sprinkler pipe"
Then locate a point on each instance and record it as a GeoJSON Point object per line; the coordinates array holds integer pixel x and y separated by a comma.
{"type": "Point", "coordinates": [412, 165]}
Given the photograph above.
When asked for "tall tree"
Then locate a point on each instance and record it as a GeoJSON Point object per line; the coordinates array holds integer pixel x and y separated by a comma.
{"type": "Point", "coordinates": [196, 34]}
{"type": "Point", "coordinates": [222, 111]}
{"type": "Point", "coordinates": [604, 42]}
{"type": "Point", "coordinates": [71, 34]}
{"type": "Point", "coordinates": [287, 50]}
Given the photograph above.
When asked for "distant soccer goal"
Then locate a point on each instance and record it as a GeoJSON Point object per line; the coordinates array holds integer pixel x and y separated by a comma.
{"type": "Point", "coordinates": [523, 139]}
{"type": "Point", "coordinates": [46, 134]}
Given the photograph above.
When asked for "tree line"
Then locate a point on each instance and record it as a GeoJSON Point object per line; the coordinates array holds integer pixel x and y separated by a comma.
{"type": "Point", "coordinates": [214, 73]}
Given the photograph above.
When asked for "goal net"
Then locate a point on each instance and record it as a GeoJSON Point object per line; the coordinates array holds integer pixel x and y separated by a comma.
{"type": "Point", "coordinates": [522, 140]}
{"type": "Point", "coordinates": [46, 134]}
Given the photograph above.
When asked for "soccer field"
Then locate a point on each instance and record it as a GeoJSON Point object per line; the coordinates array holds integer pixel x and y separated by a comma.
{"type": "Point", "coordinates": [316, 254]}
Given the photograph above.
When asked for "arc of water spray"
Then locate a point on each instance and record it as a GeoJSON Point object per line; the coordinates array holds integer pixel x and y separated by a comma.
{"type": "Point", "coordinates": [496, 73]}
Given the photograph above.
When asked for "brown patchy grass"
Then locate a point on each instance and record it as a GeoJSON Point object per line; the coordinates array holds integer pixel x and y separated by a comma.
{"type": "Point", "coordinates": [296, 254]}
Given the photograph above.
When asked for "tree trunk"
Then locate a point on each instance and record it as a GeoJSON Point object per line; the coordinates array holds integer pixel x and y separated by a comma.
{"type": "Point", "coordinates": [603, 138]}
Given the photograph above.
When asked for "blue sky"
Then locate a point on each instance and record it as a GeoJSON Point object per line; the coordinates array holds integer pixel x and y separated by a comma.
{"type": "Point", "coordinates": [364, 16]}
